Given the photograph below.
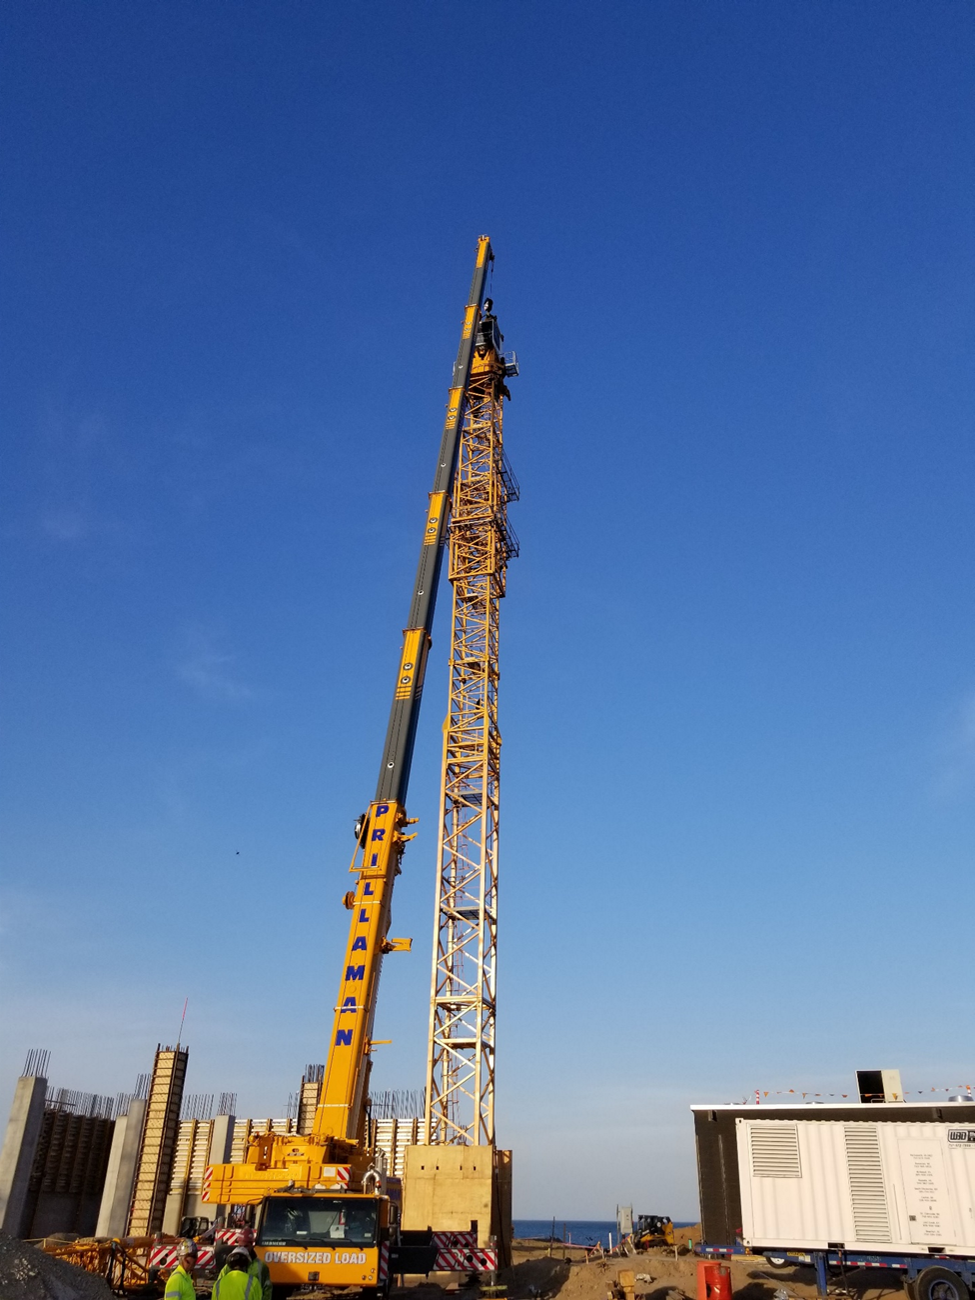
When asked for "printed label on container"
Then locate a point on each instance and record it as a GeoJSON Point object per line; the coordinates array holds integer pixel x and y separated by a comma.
{"type": "Point", "coordinates": [926, 1189]}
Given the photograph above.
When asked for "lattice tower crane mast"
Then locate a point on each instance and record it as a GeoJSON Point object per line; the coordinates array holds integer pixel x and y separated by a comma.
{"type": "Point", "coordinates": [463, 1000]}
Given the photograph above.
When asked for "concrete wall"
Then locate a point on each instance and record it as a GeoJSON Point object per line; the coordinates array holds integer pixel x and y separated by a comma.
{"type": "Point", "coordinates": [113, 1212]}
{"type": "Point", "coordinates": [68, 1173]}
{"type": "Point", "coordinates": [501, 1222]}
{"type": "Point", "coordinates": [446, 1187]}
{"type": "Point", "coordinates": [19, 1149]}
{"type": "Point", "coordinates": [64, 1212]}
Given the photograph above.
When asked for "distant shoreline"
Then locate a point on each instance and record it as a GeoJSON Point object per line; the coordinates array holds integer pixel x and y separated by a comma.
{"type": "Point", "coordinates": [576, 1232]}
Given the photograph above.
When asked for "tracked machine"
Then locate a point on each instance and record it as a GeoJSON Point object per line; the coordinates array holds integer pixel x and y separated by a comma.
{"type": "Point", "coordinates": [653, 1230]}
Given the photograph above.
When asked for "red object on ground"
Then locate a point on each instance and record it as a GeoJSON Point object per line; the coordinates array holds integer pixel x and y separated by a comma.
{"type": "Point", "coordinates": [713, 1280]}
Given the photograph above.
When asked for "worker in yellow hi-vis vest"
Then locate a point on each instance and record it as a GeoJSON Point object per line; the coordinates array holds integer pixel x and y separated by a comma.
{"type": "Point", "coordinates": [179, 1284]}
{"type": "Point", "coordinates": [257, 1268]}
{"type": "Point", "coordinates": [235, 1282]}
{"type": "Point", "coordinates": [260, 1270]}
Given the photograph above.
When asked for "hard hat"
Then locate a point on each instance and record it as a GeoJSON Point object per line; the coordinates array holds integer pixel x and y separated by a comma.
{"type": "Point", "coordinates": [186, 1247]}
{"type": "Point", "coordinates": [239, 1257]}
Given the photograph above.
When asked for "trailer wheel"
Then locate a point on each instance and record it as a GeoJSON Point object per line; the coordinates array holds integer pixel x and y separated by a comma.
{"type": "Point", "coordinates": [940, 1284]}
{"type": "Point", "coordinates": [777, 1261]}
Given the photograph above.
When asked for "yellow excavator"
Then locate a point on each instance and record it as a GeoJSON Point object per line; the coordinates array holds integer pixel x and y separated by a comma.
{"type": "Point", "coordinates": [324, 1209]}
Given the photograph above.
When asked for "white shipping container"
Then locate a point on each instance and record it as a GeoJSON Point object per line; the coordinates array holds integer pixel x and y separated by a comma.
{"type": "Point", "coordinates": [887, 1187]}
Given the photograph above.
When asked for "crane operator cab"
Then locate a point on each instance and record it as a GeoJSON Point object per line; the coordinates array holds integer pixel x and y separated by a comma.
{"type": "Point", "coordinates": [489, 336]}
{"type": "Point", "coordinates": [490, 339]}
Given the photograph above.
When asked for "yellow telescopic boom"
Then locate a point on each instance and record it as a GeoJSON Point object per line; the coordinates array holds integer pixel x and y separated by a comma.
{"type": "Point", "coordinates": [338, 1136]}
{"type": "Point", "coordinates": [381, 838]}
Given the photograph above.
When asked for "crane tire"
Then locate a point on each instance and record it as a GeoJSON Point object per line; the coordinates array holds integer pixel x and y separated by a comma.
{"type": "Point", "coordinates": [940, 1284]}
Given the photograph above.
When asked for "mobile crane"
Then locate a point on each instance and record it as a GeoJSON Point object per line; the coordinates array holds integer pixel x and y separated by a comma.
{"type": "Point", "coordinates": [324, 1209]}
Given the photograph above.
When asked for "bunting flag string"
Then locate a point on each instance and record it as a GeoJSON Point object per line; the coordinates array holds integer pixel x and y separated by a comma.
{"type": "Point", "coordinates": [957, 1089]}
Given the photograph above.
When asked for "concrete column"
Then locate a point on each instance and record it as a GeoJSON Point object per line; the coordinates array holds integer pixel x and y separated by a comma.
{"type": "Point", "coordinates": [180, 1176]}
{"type": "Point", "coordinates": [221, 1142]}
{"type": "Point", "coordinates": [221, 1139]}
{"type": "Point", "coordinates": [113, 1213]}
{"type": "Point", "coordinates": [173, 1213]}
{"type": "Point", "coordinates": [19, 1149]}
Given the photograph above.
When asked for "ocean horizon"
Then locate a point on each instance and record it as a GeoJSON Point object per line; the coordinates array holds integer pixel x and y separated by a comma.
{"type": "Point", "coordinates": [578, 1232]}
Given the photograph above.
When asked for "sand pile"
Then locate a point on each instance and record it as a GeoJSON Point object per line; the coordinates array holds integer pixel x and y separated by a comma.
{"type": "Point", "coordinates": [26, 1273]}
{"type": "Point", "coordinates": [535, 1279]}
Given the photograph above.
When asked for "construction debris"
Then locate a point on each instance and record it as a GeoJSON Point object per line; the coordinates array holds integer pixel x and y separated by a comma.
{"type": "Point", "coordinates": [26, 1273]}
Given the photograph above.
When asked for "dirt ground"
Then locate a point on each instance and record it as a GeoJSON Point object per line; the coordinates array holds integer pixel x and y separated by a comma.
{"type": "Point", "coordinates": [537, 1274]}
{"type": "Point", "coordinates": [660, 1275]}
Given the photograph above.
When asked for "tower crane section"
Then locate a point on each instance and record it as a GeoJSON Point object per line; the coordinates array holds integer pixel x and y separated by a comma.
{"type": "Point", "coordinates": [463, 1000]}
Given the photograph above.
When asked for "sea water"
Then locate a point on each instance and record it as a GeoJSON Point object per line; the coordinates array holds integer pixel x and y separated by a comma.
{"type": "Point", "coordinates": [581, 1232]}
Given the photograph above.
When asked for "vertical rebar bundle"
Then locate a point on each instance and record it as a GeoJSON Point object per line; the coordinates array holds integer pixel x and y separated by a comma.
{"type": "Point", "coordinates": [227, 1103]}
{"type": "Point", "coordinates": [36, 1065]}
{"type": "Point", "coordinates": [397, 1103]}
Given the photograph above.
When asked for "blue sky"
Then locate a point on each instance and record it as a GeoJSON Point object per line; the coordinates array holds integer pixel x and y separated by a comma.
{"type": "Point", "coordinates": [734, 254]}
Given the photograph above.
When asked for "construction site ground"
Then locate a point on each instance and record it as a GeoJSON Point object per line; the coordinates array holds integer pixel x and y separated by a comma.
{"type": "Point", "coordinates": [541, 1271]}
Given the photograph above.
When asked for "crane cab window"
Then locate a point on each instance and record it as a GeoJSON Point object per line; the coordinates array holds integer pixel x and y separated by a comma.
{"type": "Point", "coordinates": [318, 1221]}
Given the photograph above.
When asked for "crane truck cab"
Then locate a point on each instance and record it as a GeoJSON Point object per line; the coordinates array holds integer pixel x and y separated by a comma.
{"type": "Point", "coordinates": [329, 1240]}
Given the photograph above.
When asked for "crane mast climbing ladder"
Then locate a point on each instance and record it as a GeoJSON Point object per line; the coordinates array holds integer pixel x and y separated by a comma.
{"type": "Point", "coordinates": [463, 1001]}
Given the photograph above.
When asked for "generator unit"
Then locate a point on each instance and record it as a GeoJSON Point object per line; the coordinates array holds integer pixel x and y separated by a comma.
{"type": "Point", "coordinates": [859, 1184]}
{"type": "Point", "coordinates": [879, 1184]}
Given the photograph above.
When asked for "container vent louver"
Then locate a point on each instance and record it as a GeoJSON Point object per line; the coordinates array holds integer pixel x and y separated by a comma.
{"type": "Point", "coordinates": [871, 1221]}
{"type": "Point", "coordinates": [775, 1151]}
